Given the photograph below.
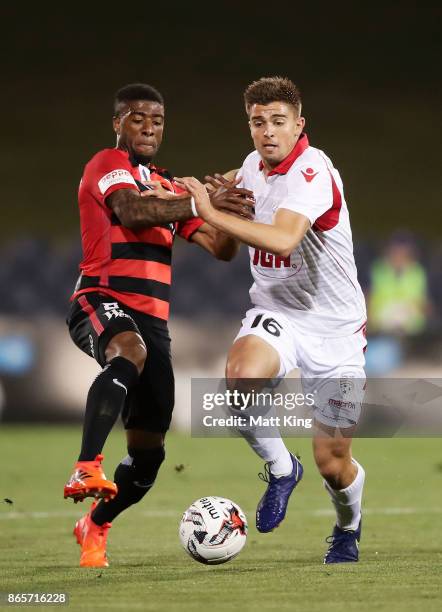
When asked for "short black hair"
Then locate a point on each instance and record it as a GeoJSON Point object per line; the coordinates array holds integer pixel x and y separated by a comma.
{"type": "Point", "coordinates": [137, 91]}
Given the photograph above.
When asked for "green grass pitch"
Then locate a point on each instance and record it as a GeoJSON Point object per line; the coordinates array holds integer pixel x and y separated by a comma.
{"type": "Point", "coordinates": [401, 550]}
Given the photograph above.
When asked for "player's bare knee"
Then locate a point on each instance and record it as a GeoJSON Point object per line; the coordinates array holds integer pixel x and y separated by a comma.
{"type": "Point", "coordinates": [138, 355]}
{"type": "Point", "coordinates": [338, 448]}
{"type": "Point", "coordinates": [243, 376]}
{"type": "Point", "coordinates": [332, 460]}
{"type": "Point", "coordinates": [233, 371]}
{"type": "Point", "coordinates": [129, 345]}
{"type": "Point", "coordinates": [331, 470]}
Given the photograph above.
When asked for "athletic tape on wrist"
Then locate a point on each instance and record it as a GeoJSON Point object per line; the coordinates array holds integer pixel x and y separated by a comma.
{"type": "Point", "coordinates": [193, 206]}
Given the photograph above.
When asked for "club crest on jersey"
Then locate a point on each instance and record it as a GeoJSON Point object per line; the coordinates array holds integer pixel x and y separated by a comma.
{"type": "Point", "coordinates": [275, 266]}
{"type": "Point", "coordinates": [309, 174]}
{"type": "Point", "coordinates": [113, 310]}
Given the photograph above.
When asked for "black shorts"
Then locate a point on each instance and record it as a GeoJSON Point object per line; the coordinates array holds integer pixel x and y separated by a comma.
{"type": "Point", "coordinates": [94, 318]}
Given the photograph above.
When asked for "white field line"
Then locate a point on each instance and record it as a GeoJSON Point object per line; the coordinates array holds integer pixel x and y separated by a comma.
{"type": "Point", "coordinates": [175, 513]}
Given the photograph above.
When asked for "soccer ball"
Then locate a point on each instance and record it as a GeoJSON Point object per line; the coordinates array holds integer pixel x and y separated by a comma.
{"type": "Point", "coordinates": [213, 530]}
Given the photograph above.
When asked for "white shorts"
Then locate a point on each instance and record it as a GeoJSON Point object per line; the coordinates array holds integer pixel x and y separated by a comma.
{"type": "Point", "coordinates": [338, 362]}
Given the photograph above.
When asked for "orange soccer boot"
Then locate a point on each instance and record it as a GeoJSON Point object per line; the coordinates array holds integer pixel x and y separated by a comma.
{"type": "Point", "coordinates": [88, 480]}
{"type": "Point", "coordinates": [92, 538]}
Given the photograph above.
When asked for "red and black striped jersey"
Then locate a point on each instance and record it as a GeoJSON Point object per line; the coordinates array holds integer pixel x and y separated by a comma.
{"type": "Point", "coordinates": [132, 266]}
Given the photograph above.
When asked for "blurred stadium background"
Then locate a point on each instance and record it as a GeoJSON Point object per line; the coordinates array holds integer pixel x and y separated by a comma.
{"type": "Point", "coordinates": [371, 88]}
{"type": "Point", "coordinates": [371, 101]}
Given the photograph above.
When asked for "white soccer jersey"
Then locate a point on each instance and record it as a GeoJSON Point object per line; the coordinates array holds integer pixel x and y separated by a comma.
{"type": "Point", "coordinates": [317, 285]}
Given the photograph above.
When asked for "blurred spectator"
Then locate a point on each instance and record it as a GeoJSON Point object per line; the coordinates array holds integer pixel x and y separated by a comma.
{"type": "Point", "coordinates": [435, 286]}
{"type": "Point", "coordinates": [398, 300]}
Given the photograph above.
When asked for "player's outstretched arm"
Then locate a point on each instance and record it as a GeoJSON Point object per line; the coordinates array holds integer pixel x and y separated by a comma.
{"type": "Point", "coordinates": [214, 241]}
{"type": "Point", "coordinates": [159, 206]}
{"type": "Point", "coordinates": [136, 211]}
{"type": "Point", "coordinates": [280, 238]}
{"type": "Point", "coordinates": [217, 243]}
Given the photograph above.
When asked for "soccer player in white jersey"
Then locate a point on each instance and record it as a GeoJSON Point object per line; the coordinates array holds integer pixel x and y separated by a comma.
{"type": "Point", "coordinates": [301, 258]}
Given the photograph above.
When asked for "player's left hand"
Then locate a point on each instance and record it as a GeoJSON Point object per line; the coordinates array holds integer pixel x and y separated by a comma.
{"type": "Point", "coordinates": [157, 190]}
{"type": "Point", "coordinates": [226, 196]}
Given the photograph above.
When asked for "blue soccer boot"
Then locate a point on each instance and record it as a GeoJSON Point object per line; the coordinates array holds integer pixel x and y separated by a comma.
{"type": "Point", "coordinates": [344, 545]}
{"type": "Point", "coordinates": [272, 507]}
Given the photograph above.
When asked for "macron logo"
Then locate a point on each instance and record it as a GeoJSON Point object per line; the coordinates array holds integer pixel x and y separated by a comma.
{"type": "Point", "coordinates": [309, 174]}
{"type": "Point", "coordinates": [117, 382]}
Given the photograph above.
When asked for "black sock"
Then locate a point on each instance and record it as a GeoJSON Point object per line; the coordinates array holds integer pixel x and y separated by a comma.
{"type": "Point", "coordinates": [105, 401]}
{"type": "Point", "coordinates": [134, 477]}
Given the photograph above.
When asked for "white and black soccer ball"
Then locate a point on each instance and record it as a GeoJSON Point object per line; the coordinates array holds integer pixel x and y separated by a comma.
{"type": "Point", "coordinates": [213, 530]}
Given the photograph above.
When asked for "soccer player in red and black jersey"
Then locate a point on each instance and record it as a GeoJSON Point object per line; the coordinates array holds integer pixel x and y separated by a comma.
{"type": "Point", "coordinates": [130, 212]}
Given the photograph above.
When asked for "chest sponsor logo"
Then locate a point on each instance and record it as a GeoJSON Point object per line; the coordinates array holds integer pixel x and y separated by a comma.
{"type": "Point", "coordinates": [275, 266]}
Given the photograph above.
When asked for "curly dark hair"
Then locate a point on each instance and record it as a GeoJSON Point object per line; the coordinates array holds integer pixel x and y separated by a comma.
{"type": "Point", "coordinates": [137, 91]}
{"type": "Point", "coordinates": [273, 89]}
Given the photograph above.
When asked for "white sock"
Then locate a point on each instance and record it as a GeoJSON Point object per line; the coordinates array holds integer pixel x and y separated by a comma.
{"type": "Point", "coordinates": [275, 452]}
{"type": "Point", "coordinates": [348, 501]}
{"type": "Point", "coordinates": [270, 449]}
